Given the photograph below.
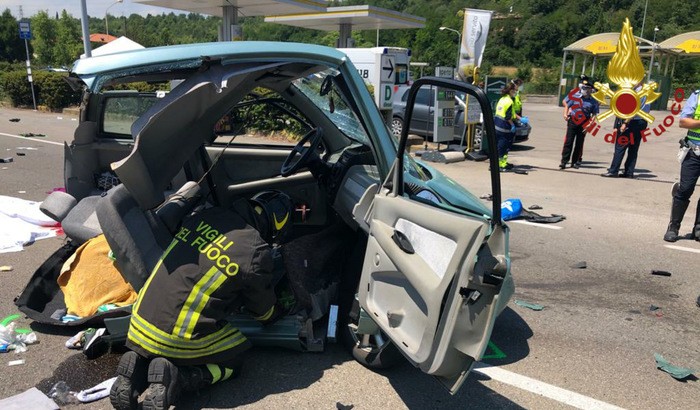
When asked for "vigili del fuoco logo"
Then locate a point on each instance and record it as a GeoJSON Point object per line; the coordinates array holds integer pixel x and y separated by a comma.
{"type": "Point", "coordinates": [626, 70]}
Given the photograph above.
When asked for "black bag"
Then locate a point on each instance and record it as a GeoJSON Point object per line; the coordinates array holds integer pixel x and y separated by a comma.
{"type": "Point", "coordinates": [42, 297]}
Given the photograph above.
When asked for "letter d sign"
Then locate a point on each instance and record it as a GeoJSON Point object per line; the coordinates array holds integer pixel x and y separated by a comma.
{"type": "Point", "coordinates": [387, 96]}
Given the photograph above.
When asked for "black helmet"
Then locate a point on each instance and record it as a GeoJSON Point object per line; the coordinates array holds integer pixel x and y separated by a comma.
{"type": "Point", "coordinates": [275, 211]}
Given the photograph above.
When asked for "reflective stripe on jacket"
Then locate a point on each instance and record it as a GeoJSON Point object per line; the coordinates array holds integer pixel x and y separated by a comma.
{"type": "Point", "coordinates": [216, 263]}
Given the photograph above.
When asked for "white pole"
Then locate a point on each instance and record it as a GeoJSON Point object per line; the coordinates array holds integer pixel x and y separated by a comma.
{"type": "Point", "coordinates": [86, 31]}
{"type": "Point", "coordinates": [29, 73]}
{"type": "Point", "coordinates": [644, 19]}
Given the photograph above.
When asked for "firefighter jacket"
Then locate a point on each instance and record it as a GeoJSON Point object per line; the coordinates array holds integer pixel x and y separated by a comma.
{"type": "Point", "coordinates": [216, 263]}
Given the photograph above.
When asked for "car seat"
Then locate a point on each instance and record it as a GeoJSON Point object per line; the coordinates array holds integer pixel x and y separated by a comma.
{"type": "Point", "coordinates": [138, 237]}
{"type": "Point", "coordinates": [78, 219]}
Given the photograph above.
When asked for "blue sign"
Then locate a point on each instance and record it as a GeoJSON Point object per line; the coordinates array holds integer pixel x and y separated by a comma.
{"type": "Point", "coordinates": [25, 32]}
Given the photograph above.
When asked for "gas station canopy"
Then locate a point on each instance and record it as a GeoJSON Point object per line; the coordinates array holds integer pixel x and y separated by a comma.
{"type": "Point", "coordinates": [603, 44]}
{"type": "Point", "coordinates": [247, 7]}
{"type": "Point", "coordinates": [683, 45]}
{"type": "Point", "coordinates": [229, 10]}
{"type": "Point", "coordinates": [359, 17]}
{"type": "Point", "coordinates": [660, 59]}
{"type": "Point", "coordinates": [348, 18]}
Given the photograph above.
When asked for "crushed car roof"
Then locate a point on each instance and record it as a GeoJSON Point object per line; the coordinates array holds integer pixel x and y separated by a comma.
{"type": "Point", "coordinates": [185, 52]}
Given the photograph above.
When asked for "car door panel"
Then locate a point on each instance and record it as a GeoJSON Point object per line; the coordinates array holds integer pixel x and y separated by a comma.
{"type": "Point", "coordinates": [433, 273]}
{"type": "Point", "coordinates": [404, 293]}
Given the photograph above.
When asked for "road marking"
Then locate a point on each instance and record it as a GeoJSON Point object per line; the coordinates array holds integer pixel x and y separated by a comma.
{"type": "Point", "coordinates": [546, 226]}
{"type": "Point", "coordinates": [543, 389]}
{"type": "Point", "coordinates": [682, 248]}
{"type": "Point", "coordinates": [33, 139]}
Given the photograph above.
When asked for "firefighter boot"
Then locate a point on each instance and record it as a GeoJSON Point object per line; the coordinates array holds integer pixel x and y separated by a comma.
{"type": "Point", "coordinates": [130, 383]}
{"type": "Point", "coordinates": [168, 381]}
{"type": "Point", "coordinates": [677, 212]}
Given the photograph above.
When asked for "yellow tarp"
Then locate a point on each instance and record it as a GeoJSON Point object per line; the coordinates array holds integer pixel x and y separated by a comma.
{"type": "Point", "coordinates": [89, 280]}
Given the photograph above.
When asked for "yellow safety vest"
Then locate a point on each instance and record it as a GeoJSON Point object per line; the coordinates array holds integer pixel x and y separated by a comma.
{"type": "Point", "coordinates": [517, 103]}
{"type": "Point", "coordinates": [502, 107]}
{"type": "Point", "coordinates": [694, 133]}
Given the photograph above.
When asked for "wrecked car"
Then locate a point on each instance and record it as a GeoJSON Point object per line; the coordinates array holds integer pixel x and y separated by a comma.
{"type": "Point", "coordinates": [387, 254]}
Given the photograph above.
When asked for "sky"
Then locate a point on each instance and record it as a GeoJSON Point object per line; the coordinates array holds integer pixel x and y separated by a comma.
{"type": "Point", "coordinates": [95, 8]}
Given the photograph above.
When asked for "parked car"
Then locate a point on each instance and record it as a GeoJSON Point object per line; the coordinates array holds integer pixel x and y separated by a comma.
{"type": "Point", "coordinates": [422, 120]}
{"type": "Point", "coordinates": [414, 262]}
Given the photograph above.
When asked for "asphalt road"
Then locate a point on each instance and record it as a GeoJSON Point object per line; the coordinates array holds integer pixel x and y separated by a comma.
{"type": "Point", "coordinates": [595, 337]}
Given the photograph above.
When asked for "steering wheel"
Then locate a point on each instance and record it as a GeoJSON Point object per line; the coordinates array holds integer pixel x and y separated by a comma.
{"type": "Point", "coordinates": [290, 165]}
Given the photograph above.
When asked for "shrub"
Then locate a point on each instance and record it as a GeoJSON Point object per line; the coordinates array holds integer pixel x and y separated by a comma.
{"type": "Point", "coordinates": [15, 86]}
{"type": "Point", "coordinates": [524, 72]}
{"type": "Point", "coordinates": [50, 89]}
{"type": "Point", "coordinates": [54, 92]}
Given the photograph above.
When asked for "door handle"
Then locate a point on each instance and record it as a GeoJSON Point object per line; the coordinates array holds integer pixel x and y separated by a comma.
{"type": "Point", "coordinates": [402, 242]}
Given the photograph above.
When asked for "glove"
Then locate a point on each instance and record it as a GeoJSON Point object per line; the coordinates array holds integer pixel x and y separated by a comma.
{"type": "Point", "coordinates": [524, 120]}
{"type": "Point", "coordinates": [512, 129]}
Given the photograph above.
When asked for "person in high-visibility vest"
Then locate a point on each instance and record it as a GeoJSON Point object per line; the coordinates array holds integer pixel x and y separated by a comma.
{"type": "Point", "coordinates": [517, 100]}
{"type": "Point", "coordinates": [504, 121]}
{"type": "Point", "coordinates": [690, 170]}
{"type": "Point", "coordinates": [218, 263]}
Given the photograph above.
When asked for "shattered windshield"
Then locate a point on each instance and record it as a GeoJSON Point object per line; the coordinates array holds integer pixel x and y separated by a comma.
{"type": "Point", "coordinates": [333, 105]}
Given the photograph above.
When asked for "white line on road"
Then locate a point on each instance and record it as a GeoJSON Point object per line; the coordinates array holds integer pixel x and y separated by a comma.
{"type": "Point", "coordinates": [543, 389]}
{"type": "Point", "coordinates": [682, 248]}
{"type": "Point", "coordinates": [537, 225]}
{"type": "Point", "coordinates": [33, 139]}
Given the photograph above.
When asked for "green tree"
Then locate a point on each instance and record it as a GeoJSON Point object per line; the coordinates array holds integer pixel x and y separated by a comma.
{"type": "Point", "coordinates": [11, 46]}
{"type": "Point", "coordinates": [68, 35]}
{"type": "Point", "coordinates": [44, 38]}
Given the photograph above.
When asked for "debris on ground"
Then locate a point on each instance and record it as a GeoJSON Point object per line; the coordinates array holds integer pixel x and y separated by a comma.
{"type": "Point", "coordinates": [511, 209]}
{"type": "Point", "coordinates": [21, 154]}
{"type": "Point", "coordinates": [31, 399]}
{"type": "Point", "coordinates": [660, 273]}
{"type": "Point", "coordinates": [533, 306]}
{"type": "Point", "coordinates": [488, 197]}
{"type": "Point", "coordinates": [5, 268]}
{"type": "Point", "coordinates": [15, 362]}
{"type": "Point", "coordinates": [13, 338]}
{"type": "Point", "coordinates": [678, 373]}
{"type": "Point", "coordinates": [97, 392]}
{"type": "Point", "coordinates": [32, 135]}
{"type": "Point", "coordinates": [14, 119]}
{"type": "Point", "coordinates": [534, 207]}
{"type": "Point", "coordinates": [28, 149]}
{"type": "Point", "coordinates": [579, 265]}
{"type": "Point", "coordinates": [75, 342]}
{"type": "Point", "coordinates": [6, 160]}
{"type": "Point", "coordinates": [654, 308]}
{"type": "Point", "coordinates": [62, 394]}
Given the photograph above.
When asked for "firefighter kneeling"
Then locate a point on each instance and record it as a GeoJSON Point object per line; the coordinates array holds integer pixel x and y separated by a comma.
{"type": "Point", "coordinates": [179, 338]}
